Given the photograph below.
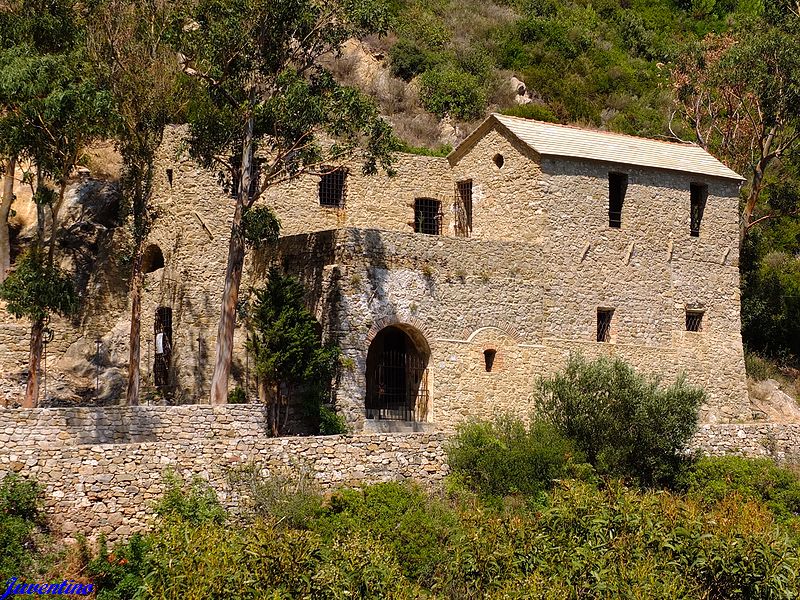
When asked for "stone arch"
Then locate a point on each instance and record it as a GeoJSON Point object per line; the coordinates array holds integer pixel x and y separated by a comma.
{"type": "Point", "coordinates": [505, 331]}
{"type": "Point", "coordinates": [397, 374]}
{"type": "Point", "coordinates": [152, 259]}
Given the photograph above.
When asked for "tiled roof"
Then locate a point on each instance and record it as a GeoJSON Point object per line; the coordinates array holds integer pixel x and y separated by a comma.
{"type": "Point", "coordinates": [549, 139]}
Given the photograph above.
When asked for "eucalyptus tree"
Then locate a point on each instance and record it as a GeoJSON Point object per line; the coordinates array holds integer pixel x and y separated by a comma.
{"type": "Point", "coordinates": [262, 94]}
{"type": "Point", "coordinates": [740, 94]}
{"type": "Point", "coordinates": [127, 42]}
{"type": "Point", "coordinates": [52, 109]}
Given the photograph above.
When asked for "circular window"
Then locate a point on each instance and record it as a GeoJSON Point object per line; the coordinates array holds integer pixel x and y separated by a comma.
{"type": "Point", "coordinates": [499, 161]}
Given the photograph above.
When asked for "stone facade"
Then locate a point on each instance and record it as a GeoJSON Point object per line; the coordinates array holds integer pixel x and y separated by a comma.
{"type": "Point", "coordinates": [526, 282]}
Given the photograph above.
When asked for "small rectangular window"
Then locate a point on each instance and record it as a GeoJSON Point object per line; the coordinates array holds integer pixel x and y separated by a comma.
{"type": "Point", "coordinates": [604, 316]}
{"type": "Point", "coordinates": [463, 208]}
{"type": "Point", "coordinates": [694, 320]}
{"type": "Point", "coordinates": [699, 194]}
{"type": "Point", "coordinates": [332, 187]}
{"type": "Point", "coordinates": [427, 216]}
{"type": "Point", "coordinates": [617, 186]}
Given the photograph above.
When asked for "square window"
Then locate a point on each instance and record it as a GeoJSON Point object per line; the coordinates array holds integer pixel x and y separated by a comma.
{"type": "Point", "coordinates": [427, 216]}
{"type": "Point", "coordinates": [604, 316]}
{"type": "Point", "coordinates": [694, 320]}
{"type": "Point", "coordinates": [332, 187]}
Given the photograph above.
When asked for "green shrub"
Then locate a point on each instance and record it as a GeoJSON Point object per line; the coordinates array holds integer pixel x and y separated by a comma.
{"type": "Point", "coordinates": [291, 500]}
{"type": "Point", "coordinates": [20, 497]}
{"type": "Point", "coordinates": [331, 422]}
{"type": "Point", "coordinates": [19, 516]}
{"type": "Point", "coordinates": [505, 456]}
{"type": "Point", "coordinates": [237, 396]}
{"type": "Point", "coordinates": [119, 575]}
{"type": "Point", "coordinates": [409, 60]}
{"type": "Point", "coordinates": [713, 479]}
{"type": "Point", "coordinates": [414, 526]}
{"type": "Point", "coordinates": [625, 423]}
{"type": "Point", "coordinates": [759, 368]}
{"type": "Point", "coordinates": [195, 503]}
{"type": "Point", "coordinates": [450, 91]}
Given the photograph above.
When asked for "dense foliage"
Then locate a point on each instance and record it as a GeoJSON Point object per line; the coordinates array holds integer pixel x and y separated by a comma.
{"type": "Point", "coordinates": [20, 514]}
{"type": "Point", "coordinates": [506, 456]}
{"type": "Point", "coordinates": [395, 541]}
{"type": "Point", "coordinates": [626, 424]}
{"type": "Point", "coordinates": [290, 360]}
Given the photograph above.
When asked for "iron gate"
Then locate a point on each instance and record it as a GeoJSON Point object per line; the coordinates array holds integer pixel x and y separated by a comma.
{"type": "Point", "coordinates": [397, 387]}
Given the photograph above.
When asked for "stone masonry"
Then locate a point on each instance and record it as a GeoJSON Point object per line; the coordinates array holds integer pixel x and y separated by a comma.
{"type": "Point", "coordinates": [102, 469]}
{"type": "Point", "coordinates": [525, 283]}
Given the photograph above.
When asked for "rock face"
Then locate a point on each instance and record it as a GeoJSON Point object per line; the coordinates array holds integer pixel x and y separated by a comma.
{"type": "Point", "coordinates": [91, 246]}
{"type": "Point", "coordinates": [772, 404]}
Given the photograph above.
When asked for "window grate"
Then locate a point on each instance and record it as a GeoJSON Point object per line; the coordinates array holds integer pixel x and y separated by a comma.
{"type": "Point", "coordinates": [699, 195]}
{"type": "Point", "coordinates": [604, 316]}
{"type": "Point", "coordinates": [617, 187]}
{"type": "Point", "coordinates": [332, 187]}
{"type": "Point", "coordinates": [427, 216]}
{"type": "Point", "coordinates": [162, 328]}
{"type": "Point", "coordinates": [463, 208]}
{"type": "Point", "coordinates": [694, 320]}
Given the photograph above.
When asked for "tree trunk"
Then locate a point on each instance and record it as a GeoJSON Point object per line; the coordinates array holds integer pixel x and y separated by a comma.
{"type": "Point", "coordinates": [233, 278]}
{"type": "Point", "coordinates": [32, 389]}
{"type": "Point", "coordinates": [134, 356]}
{"type": "Point", "coordinates": [5, 209]}
{"type": "Point", "coordinates": [54, 210]}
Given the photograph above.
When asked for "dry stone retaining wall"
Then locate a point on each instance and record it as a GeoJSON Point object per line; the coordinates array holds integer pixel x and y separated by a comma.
{"type": "Point", "coordinates": [94, 487]}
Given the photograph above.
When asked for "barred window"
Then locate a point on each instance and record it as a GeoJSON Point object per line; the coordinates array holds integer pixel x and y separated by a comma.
{"type": "Point", "coordinates": [332, 187]}
{"type": "Point", "coordinates": [427, 216]}
{"type": "Point", "coordinates": [694, 320]}
{"type": "Point", "coordinates": [604, 316]}
{"type": "Point", "coordinates": [617, 186]}
{"type": "Point", "coordinates": [699, 195]}
{"type": "Point", "coordinates": [463, 225]}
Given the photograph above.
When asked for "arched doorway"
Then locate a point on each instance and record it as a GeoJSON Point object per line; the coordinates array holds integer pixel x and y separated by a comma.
{"type": "Point", "coordinates": [397, 375]}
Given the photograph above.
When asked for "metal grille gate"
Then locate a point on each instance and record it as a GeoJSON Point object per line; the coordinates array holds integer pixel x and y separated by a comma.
{"type": "Point", "coordinates": [397, 388]}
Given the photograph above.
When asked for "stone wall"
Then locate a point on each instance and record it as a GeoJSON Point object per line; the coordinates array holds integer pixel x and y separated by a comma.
{"type": "Point", "coordinates": [464, 296]}
{"type": "Point", "coordinates": [767, 440]}
{"type": "Point", "coordinates": [94, 487]}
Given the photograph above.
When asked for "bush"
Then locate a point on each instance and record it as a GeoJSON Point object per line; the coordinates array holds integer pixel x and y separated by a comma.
{"type": "Point", "coordinates": [450, 91]}
{"type": "Point", "coordinates": [19, 516]}
{"type": "Point", "coordinates": [291, 500]}
{"type": "Point", "coordinates": [409, 60]}
{"type": "Point", "coordinates": [415, 527]}
{"type": "Point", "coordinates": [625, 424]}
{"type": "Point", "coordinates": [119, 575]}
{"type": "Point", "coordinates": [539, 112]}
{"type": "Point", "coordinates": [505, 457]}
{"type": "Point", "coordinates": [331, 422]}
{"type": "Point", "coordinates": [196, 503]}
{"type": "Point", "coordinates": [713, 479]}
{"type": "Point", "coordinates": [237, 396]}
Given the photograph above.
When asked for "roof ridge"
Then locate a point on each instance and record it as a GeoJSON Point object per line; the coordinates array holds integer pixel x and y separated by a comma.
{"type": "Point", "coordinates": [602, 131]}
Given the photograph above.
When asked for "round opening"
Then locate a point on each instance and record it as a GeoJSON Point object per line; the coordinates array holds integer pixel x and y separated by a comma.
{"type": "Point", "coordinates": [499, 161]}
{"type": "Point", "coordinates": [153, 259]}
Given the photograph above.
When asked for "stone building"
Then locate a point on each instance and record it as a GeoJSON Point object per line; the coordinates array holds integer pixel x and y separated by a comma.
{"type": "Point", "coordinates": [453, 285]}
